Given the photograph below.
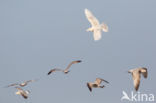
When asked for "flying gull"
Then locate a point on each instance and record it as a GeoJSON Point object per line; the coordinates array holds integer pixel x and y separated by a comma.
{"type": "Point", "coordinates": [22, 92]}
{"type": "Point", "coordinates": [22, 84]}
{"type": "Point", "coordinates": [66, 70]}
{"type": "Point", "coordinates": [136, 75]}
{"type": "Point", "coordinates": [96, 26]}
{"type": "Point", "coordinates": [96, 84]}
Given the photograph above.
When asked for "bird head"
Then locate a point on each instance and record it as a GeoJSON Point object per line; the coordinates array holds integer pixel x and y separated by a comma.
{"type": "Point", "coordinates": [17, 92]}
{"type": "Point", "coordinates": [66, 72]}
{"type": "Point", "coordinates": [90, 29]}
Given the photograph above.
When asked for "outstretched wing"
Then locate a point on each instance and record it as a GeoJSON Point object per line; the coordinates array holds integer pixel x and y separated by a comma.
{"type": "Point", "coordinates": [31, 81]}
{"type": "Point", "coordinates": [54, 70]}
{"type": "Point", "coordinates": [22, 92]}
{"type": "Point", "coordinates": [91, 18]}
{"type": "Point", "coordinates": [136, 80]}
{"type": "Point", "coordinates": [73, 62]}
{"type": "Point", "coordinates": [99, 80]}
{"type": "Point", "coordinates": [18, 88]}
{"type": "Point", "coordinates": [12, 85]}
{"type": "Point", "coordinates": [89, 87]}
{"type": "Point", "coordinates": [144, 72]}
{"type": "Point", "coordinates": [97, 34]}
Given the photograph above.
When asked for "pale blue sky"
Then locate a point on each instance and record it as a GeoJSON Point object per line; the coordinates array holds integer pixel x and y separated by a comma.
{"type": "Point", "coordinates": [38, 35]}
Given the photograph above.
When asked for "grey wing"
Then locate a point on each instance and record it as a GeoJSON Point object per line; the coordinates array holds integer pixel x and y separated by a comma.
{"type": "Point", "coordinates": [89, 87]}
{"type": "Point", "coordinates": [12, 85]}
{"type": "Point", "coordinates": [97, 34]}
{"type": "Point", "coordinates": [29, 81]}
{"type": "Point", "coordinates": [53, 70]}
{"type": "Point", "coordinates": [91, 18]}
{"type": "Point", "coordinates": [144, 72]}
{"type": "Point", "coordinates": [18, 88]}
{"type": "Point", "coordinates": [73, 62]}
{"type": "Point", "coordinates": [104, 80]}
{"type": "Point", "coordinates": [136, 80]}
{"type": "Point", "coordinates": [99, 80]}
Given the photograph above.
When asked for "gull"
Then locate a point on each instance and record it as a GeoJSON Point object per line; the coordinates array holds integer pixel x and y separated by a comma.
{"type": "Point", "coordinates": [66, 70]}
{"type": "Point", "coordinates": [96, 84]}
{"type": "Point", "coordinates": [22, 84]}
{"type": "Point", "coordinates": [22, 92]}
{"type": "Point", "coordinates": [136, 75]}
{"type": "Point", "coordinates": [96, 26]}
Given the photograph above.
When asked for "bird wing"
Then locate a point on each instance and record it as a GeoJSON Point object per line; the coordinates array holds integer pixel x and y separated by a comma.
{"type": "Point", "coordinates": [99, 80]}
{"type": "Point", "coordinates": [104, 27]}
{"type": "Point", "coordinates": [24, 95]}
{"type": "Point", "coordinates": [31, 80]}
{"type": "Point", "coordinates": [54, 70]}
{"type": "Point", "coordinates": [89, 87]}
{"type": "Point", "coordinates": [18, 88]}
{"type": "Point", "coordinates": [97, 34]}
{"type": "Point", "coordinates": [22, 92]}
{"type": "Point", "coordinates": [73, 62]}
{"type": "Point", "coordinates": [91, 18]}
{"type": "Point", "coordinates": [144, 72]}
{"type": "Point", "coordinates": [12, 85]}
{"type": "Point", "coordinates": [136, 80]}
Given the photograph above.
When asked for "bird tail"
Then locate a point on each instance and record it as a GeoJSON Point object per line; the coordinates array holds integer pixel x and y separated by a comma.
{"type": "Point", "coordinates": [104, 27]}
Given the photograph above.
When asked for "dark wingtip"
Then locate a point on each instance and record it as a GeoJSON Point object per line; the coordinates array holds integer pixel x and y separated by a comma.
{"type": "Point", "coordinates": [90, 89]}
{"type": "Point", "coordinates": [49, 73]}
{"type": "Point", "coordinates": [79, 61]}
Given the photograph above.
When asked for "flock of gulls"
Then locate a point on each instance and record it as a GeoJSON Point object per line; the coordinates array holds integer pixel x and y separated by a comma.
{"type": "Point", "coordinates": [96, 29]}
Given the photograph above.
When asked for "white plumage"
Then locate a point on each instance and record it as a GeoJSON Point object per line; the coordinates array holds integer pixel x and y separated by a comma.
{"type": "Point", "coordinates": [96, 26]}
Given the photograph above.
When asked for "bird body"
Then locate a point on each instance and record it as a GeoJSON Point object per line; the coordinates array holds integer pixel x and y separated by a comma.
{"type": "Point", "coordinates": [96, 84]}
{"type": "Point", "coordinates": [136, 74]}
{"type": "Point", "coordinates": [22, 92]}
{"type": "Point", "coordinates": [96, 26]}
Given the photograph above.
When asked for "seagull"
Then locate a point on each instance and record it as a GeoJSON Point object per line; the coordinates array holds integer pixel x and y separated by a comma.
{"type": "Point", "coordinates": [22, 92]}
{"type": "Point", "coordinates": [96, 84]}
{"type": "Point", "coordinates": [22, 84]}
{"type": "Point", "coordinates": [66, 70]}
{"type": "Point", "coordinates": [136, 75]}
{"type": "Point", "coordinates": [96, 26]}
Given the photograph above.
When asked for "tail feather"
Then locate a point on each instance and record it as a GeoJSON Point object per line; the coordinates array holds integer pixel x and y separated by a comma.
{"type": "Point", "coordinates": [104, 27]}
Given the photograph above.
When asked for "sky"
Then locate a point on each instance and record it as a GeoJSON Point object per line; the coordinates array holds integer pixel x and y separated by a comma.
{"type": "Point", "coordinates": [39, 35]}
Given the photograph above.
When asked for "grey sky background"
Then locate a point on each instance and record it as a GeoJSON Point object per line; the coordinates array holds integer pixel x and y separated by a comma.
{"type": "Point", "coordinates": [38, 35]}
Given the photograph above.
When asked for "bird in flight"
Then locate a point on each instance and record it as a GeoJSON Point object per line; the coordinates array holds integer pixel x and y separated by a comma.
{"type": "Point", "coordinates": [22, 84]}
{"type": "Point", "coordinates": [96, 26]}
{"type": "Point", "coordinates": [22, 92]}
{"type": "Point", "coordinates": [136, 74]}
{"type": "Point", "coordinates": [66, 70]}
{"type": "Point", "coordinates": [96, 84]}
